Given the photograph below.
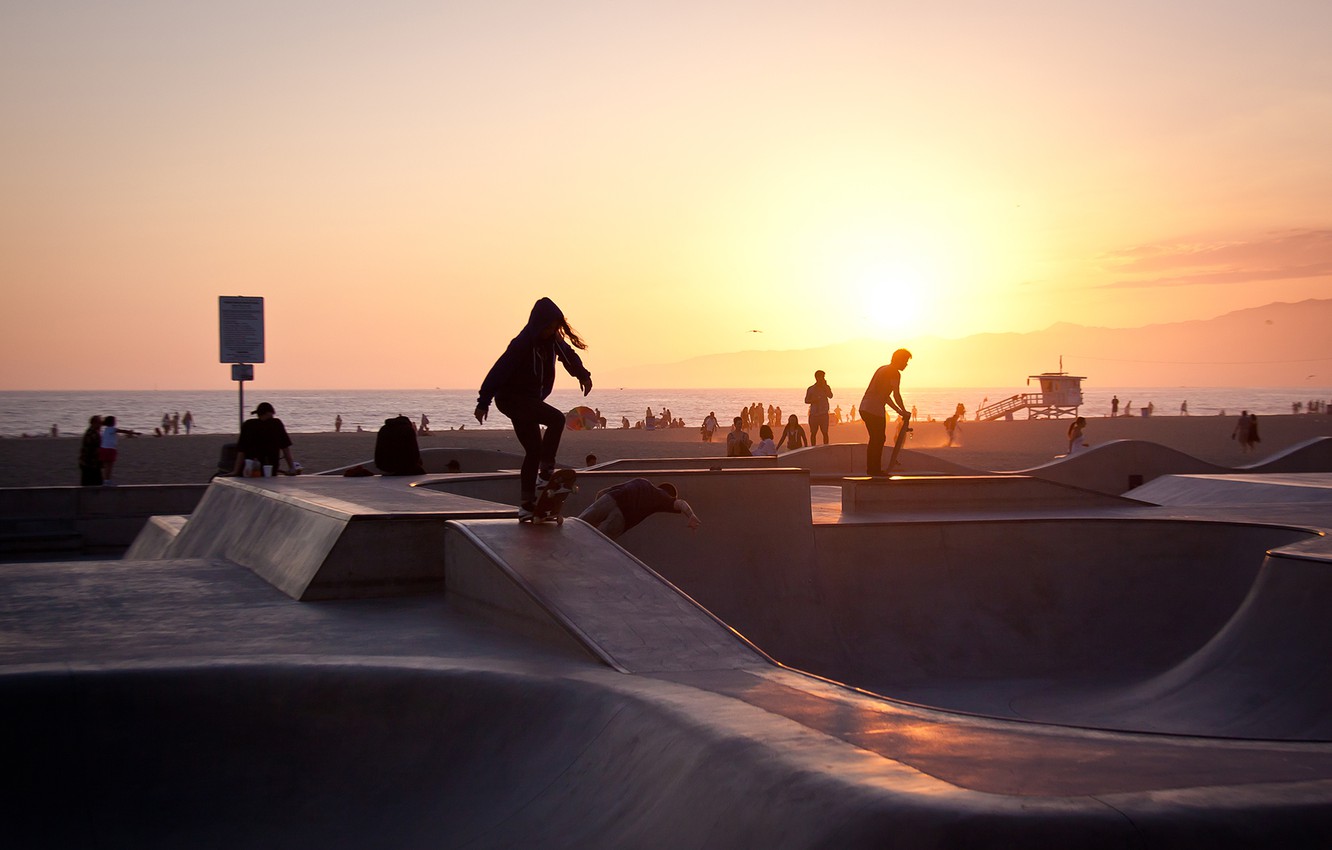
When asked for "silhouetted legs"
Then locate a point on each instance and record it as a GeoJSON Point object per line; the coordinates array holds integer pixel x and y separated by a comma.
{"type": "Point", "coordinates": [878, 435]}
{"type": "Point", "coordinates": [528, 415]}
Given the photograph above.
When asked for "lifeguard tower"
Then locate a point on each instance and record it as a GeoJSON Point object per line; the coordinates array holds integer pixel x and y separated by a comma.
{"type": "Point", "coordinates": [1060, 397]}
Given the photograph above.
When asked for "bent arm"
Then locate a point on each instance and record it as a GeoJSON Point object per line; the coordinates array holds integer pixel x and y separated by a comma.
{"type": "Point", "coordinates": [895, 402]}
{"type": "Point", "coordinates": [573, 364]}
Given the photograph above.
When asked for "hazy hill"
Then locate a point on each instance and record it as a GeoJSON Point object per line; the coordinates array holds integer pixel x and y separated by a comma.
{"type": "Point", "coordinates": [1275, 345]}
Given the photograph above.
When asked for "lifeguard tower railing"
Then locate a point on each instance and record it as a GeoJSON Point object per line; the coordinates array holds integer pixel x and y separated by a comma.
{"type": "Point", "coordinates": [1037, 405]}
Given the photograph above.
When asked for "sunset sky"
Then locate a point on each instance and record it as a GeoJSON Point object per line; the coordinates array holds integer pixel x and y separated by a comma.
{"type": "Point", "coordinates": [400, 180]}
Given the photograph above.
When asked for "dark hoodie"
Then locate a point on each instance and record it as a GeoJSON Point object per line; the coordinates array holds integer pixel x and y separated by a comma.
{"type": "Point", "coordinates": [527, 366]}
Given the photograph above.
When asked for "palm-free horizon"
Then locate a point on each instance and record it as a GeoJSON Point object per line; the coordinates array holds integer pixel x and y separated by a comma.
{"type": "Point", "coordinates": [401, 183]}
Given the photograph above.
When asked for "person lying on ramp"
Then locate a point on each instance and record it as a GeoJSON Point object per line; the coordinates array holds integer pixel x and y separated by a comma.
{"type": "Point", "coordinates": [618, 509]}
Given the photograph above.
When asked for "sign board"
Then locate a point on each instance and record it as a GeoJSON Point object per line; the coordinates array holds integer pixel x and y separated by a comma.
{"type": "Point", "coordinates": [241, 329]}
{"type": "Point", "coordinates": [242, 372]}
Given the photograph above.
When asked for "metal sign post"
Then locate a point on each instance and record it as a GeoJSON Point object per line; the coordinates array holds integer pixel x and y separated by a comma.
{"type": "Point", "coordinates": [241, 338]}
{"type": "Point", "coordinates": [240, 373]}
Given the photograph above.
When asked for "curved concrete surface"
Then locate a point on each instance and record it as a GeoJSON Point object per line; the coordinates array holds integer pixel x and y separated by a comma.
{"type": "Point", "coordinates": [339, 756]}
{"type": "Point", "coordinates": [397, 723]}
{"type": "Point", "coordinates": [1120, 465]}
{"type": "Point", "coordinates": [1263, 675]}
{"type": "Point", "coordinates": [190, 703]}
{"type": "Point", "coordinates": [1025, 619]}
{"type": "Point", "coordinates": [1247, 489]}
{"type": "Point", "coordinates": [1313, 455]}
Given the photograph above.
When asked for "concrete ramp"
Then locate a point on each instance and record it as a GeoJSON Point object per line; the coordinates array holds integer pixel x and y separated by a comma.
{"type": "Point", "coordinates": [569, 582]}
{"type": "Point", "coordinates": [1264, 675]}
{"type": "Point", "coordinates": [1119, 466]}
{"type": "Point", "coordinates": [343, 756]}
{"type": "Point", "coordinates": [1033, 619]}
{"type": "Point", "coordinates": [322, 538]}
{"type": "Point", "coordinates": [1241, 489]}
{"type": "Point", "coordinates": [1310, 456]}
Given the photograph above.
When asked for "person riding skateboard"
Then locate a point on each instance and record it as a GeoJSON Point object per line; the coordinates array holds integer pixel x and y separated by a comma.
{"type": "Point", "coordinates": [884, 391]}
{"type": "Point", "coordinates": [618, 509]}
{"type": "Point", "coordinates": [519, 383]}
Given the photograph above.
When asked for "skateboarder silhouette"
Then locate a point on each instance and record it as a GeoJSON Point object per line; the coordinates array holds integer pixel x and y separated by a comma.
{"type": "Point", "coordinates": [884, 391]}
{"type": "Point", "coordinates": [519, 382]}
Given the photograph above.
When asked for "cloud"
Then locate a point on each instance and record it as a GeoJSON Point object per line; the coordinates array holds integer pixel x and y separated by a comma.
{"type": "Point", "coordinates": [1285, 255]}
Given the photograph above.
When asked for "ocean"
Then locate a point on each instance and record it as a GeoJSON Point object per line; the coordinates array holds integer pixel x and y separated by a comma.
{"type": "Point", "coordinates": [311, 411]}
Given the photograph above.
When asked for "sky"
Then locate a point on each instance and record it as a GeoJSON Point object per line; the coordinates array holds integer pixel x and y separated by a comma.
{"type": "Point", "coordinates": [401, 180]}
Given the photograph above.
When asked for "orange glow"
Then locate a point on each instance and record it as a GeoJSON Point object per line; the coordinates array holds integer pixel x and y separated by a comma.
{"type": "Point", "coordinates": [401, 188]}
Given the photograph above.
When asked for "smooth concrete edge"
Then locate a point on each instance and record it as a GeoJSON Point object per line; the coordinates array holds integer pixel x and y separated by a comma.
{"type": "Point", "coordinates": [608, 755]}
{"type": "Point", "coordinates": [479, 582]}
{"type": "Point", "coordinates": [610, 598]}
{"type": "Point", "coordinates": [968, 493]}
{"type": "Point", "coordinates": [154, 541]}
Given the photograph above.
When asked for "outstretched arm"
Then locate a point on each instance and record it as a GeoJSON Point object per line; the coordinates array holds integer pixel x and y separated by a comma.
{"type": "Point", "coordinates": [682, 507]}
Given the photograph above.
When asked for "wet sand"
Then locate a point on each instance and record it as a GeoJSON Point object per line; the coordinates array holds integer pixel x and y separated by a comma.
{"type": "Point", "coordinates": [995, 446]}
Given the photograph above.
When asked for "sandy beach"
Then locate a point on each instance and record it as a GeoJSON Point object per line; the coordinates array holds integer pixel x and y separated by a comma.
{"type": "Point", "coordinates": [992, 446]}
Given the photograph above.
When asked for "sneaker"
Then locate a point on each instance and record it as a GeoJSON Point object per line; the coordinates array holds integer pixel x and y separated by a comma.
{"type": "Point", "coordinates": [544, 474]}
{"type": "Point", "coordinates": [527, 512]}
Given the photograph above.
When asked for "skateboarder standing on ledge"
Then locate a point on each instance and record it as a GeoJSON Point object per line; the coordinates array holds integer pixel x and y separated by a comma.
{"type": "Point", "coordinates": [884, 391]}
{"type": "Point", "coordinates": [620, 508]}
{"type": "Point", "coordinates": [519, 383]}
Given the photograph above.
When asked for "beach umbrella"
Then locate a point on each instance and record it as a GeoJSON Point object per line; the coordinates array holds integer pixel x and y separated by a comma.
{"type": "Point", "coordinates": [581, 419]}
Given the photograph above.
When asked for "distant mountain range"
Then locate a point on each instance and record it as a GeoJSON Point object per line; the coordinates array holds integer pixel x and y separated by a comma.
{"type": "Point", "coordinates": [1277, 345]}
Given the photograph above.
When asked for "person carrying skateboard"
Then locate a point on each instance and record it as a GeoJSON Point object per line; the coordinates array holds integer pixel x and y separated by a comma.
{"type": "Point", "coordinates": [519, 383]}
{"type": "Point", "coordinates": [618, 509]}
{"type": "Point", "coordinates": [884, 391]}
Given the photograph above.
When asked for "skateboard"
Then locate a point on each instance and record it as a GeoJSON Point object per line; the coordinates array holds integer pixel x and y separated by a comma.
{"type": "Point", "coordinates": [897, 444]}
{"type": "Point", "coordinates": [551, 499]}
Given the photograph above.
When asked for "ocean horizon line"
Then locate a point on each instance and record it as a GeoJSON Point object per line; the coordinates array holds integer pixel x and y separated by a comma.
{"type": "Point", "coordinates": [598, 388]}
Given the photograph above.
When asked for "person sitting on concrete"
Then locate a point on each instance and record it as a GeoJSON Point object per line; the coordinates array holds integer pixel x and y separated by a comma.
{"type": "Point", "coordinates": [765, 447]}
{"type": "Point", "coordinates": [737, 440]}
{"type": "Point", "coordinates": [793, 435]}
{"type": "Point", "coordinates": [618, 509]}
{"type": "Point", "coordinates": [264, 439]}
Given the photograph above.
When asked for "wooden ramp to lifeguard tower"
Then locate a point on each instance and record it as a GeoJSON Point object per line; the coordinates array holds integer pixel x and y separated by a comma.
{"type": "Point", "coordinates": [1060, 397]}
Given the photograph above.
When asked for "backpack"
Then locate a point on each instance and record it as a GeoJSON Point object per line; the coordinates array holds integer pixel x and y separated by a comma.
{"type": "Point", "coordinates": [396, 449]}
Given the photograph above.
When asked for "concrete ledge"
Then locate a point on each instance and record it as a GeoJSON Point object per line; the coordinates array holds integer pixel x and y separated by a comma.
{"type": "Point", "coordinates": [709, 463]}
{"type": "Point", "coordinates": [436, 460]}
{"type": "Point", "coordinates": [327, 538]}
{"type": "Point", "coordinates": [913, 494]}
{"type": "Point", "coordinates": [87, 519]}
{"type": "Point", "coordinates": [155, 539]}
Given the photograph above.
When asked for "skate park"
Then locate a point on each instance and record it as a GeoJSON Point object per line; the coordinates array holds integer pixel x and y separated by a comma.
{"type": "Point", "coordinates": [947, 658]}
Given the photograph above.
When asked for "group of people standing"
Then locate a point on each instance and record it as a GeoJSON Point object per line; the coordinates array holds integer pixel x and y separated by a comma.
{"type": "Point", "coordinates": [172, 423]}
{"type": "Point", "coordinates": [99, 449]}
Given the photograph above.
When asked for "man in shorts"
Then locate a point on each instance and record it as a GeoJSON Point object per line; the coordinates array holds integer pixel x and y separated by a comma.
{"type": "Point", "coordinates": [618, 509]}
{"type": "Point", "coordinates": [817, 398]}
